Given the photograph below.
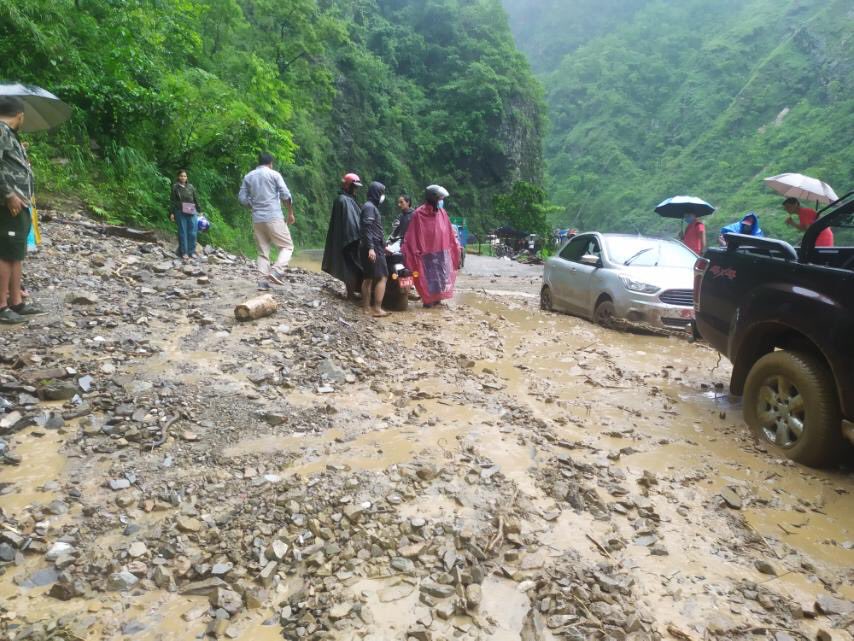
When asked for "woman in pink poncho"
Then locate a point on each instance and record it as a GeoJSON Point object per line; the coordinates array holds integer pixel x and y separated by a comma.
{"type": "Point", "coordinates": [431, 248]}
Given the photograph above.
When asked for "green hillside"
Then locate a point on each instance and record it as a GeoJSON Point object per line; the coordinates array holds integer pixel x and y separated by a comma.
{"type": "Point", "coordinates": [400, 91]}
{"type": "Point", "coordinates": [651, 98]}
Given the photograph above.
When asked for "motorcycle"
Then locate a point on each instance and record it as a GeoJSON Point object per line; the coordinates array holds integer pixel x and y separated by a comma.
{"type": "Point", "coordinates": [400, 280]}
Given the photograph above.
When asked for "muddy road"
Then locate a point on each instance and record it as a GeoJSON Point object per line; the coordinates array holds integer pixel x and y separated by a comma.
{"type": "Point", "coordinates": [479, 471]}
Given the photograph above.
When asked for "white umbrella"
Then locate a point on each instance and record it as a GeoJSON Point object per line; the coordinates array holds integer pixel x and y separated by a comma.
{"type": "Point", "coordinates": [802, 187]}
{"type": "Point", "coordinates": [42, 110]}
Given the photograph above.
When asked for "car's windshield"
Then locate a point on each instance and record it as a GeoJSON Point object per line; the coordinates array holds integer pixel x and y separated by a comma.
{"type": "Point", "coordinates": [648, 252]}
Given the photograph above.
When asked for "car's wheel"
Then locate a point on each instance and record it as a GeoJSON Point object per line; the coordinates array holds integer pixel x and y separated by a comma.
{"type": "Point", "coordinates": [546, 298]}
{"type": "Point", "coordinates": [790, 404]}
{"type": "Point", "coordinates": [605, 313]}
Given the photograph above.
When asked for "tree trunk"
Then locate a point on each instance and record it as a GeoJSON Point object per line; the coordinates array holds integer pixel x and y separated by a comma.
{"type": "Point", "coordinates": [255, 308]}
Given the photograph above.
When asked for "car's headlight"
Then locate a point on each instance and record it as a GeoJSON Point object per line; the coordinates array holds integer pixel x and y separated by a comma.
{"type": "Point", "coordinates": [637, 286]}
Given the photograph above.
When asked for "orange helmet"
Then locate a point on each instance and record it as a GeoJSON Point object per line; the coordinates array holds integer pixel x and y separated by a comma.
{"type": "Point", "coordinates": [351, 179]}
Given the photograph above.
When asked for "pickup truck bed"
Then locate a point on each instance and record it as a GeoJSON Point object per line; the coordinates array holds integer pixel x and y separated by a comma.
{"type": "Point", "coordinates": [785, 318]}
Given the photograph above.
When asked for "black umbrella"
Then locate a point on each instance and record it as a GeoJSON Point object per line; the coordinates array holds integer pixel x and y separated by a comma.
{"type": "Point", "coordinates": [678, 206]}
{"type": "Point", "coordinates": [42, 110]}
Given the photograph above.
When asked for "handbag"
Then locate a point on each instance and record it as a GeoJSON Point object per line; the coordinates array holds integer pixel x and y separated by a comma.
{"type": "Point", "coordinates": [188, 208]}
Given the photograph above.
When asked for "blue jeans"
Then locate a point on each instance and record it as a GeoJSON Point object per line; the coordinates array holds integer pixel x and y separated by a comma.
{"type": "Point", "coordinates": [187, 230]}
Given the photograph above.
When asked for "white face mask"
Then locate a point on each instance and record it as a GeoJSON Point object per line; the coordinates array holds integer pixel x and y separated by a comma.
{"type": "Point", "coordinates": [382, 199]}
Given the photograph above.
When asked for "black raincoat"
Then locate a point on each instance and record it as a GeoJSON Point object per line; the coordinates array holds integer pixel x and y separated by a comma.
{"type": "Point", "coordinates": [371, 234]}
{"type": "Point", "coordinates": [400, 226]}
{"type": "Point", "coordinates": [341, 253]}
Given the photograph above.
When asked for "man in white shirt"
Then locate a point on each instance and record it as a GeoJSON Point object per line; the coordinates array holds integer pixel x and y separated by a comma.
{"type": "Point", "coordinates": [264, 190]}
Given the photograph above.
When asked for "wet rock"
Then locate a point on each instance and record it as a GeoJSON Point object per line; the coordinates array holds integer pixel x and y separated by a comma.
{"type": "Point", "coordinates": [220, 569]}
{"type": "Point", "coordinates": [474, 596]}
{"type": "Point", "coordinates": [340, 610]}
{"type": "Point", "coordinates": [329, 370]}
{"type": "Point", "coordinates": [57, 507]}
{"type": "Point", "coordinates": [434, 589]}
{"type": "Point", "coordinates": [403, 565]}
{"type": "Point", "coordinates": [765, 567]}
{"type": "Point", "coordinates": [208, 587]}
{"type": "Point", "coordinates": [81, 298]}
{"type": "Point", "coordinates": [427, 472]}
{"type": "Point", "coordinates": [276, 550]}
{"type": "Point", "coordinates": [827, 604]}
{"type": "Point", "coordinates": [188, 524]}
{"type": "Point", "coordinates": [121, 581]}
{"type": "Point", "coordinates": [228, 600]}
{"type": "Point", "coordinates": [217, 628]}
{"type": "Point", "coordinates": [137, 549]}
{"type": "Point", "coordinates": [731, 498]}
{"type": "Point", "coordinates": [7, 553]}
{"type": "Point", "coordinates": [445, 610]}
{"type": "Point", "coordinates": [59, 549]}
{"type": "Point", "coordinates": [119, 484]}
{"type": "Point", "coordinates": [58, 391]}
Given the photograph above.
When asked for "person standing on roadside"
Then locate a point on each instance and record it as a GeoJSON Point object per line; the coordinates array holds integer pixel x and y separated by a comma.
{"type": "Point", "coordinates": [404, 205]}
{"type": "Point", "coordinates": [372, 251]}
{"type": "Point", "coordinates": [184, 211]}
{"type": "Point", "coordinates": [341, 252]}
{"type": "Point", "coordinates": [694, 236]}
{"type": "Point", "coordinates": [16, 193]}
{"type": "Point", "coordinates": [264, 190]}
{"type": "Point", "coordinates": [432, 249]}
{"type": "Point", "coordinates": [806, 217]}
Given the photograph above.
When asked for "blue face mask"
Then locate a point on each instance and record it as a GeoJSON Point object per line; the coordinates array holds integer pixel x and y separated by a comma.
{"type": "Point", "coordinates": [690, 218]}
{"type": "Point", "coordinates": [440, 204]}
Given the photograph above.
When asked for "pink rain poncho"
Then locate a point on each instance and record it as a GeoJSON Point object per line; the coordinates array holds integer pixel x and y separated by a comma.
{"type": "Point", "coordinates": [431, 249]}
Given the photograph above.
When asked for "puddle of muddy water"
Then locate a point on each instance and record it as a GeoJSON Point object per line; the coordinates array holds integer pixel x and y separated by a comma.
{"type": "Point", "coordinates": [27, 481]}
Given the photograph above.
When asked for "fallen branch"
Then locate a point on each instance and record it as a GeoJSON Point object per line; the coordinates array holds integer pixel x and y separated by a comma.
{"type": "Point", "coordinates": [141, 235]}
{"type": "Point", "coordinates": [599, 546]}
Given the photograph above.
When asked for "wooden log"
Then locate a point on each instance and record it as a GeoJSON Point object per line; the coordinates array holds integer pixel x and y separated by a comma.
{"type": "Point", "coordinates": [255, 308]}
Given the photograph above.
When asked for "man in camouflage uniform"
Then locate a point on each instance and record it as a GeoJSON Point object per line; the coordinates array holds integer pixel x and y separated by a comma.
{"type": "Point", "coordinates": [16, 194]}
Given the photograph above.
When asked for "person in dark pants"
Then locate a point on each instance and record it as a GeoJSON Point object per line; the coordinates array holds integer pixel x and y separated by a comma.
{"type": "Point", "coordinates": [372, 251]}
{"type": "Point", "coordinates": [184, 210]}
{"type": "Point", "coordinates": [16, 195]}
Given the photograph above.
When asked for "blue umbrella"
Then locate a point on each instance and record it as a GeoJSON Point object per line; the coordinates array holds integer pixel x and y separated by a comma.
{"type": "Point", "coordinates": [678, 206]}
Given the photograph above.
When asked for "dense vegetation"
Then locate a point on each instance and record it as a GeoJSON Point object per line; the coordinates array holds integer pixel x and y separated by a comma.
{"type": "Point", "coordinates": [652, 98]}
{"type": "Point", "coordinates": [403, 91]}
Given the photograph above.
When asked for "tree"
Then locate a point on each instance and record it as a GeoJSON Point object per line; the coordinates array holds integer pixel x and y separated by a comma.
{"type": "Point", "coordinates": [525, 207]}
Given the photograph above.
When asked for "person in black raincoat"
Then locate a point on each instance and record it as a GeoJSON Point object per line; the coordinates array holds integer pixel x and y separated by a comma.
{"type": "Point", "coordinates": [341, 253]}
{"type": "Point", "coordinates": [372, 251]}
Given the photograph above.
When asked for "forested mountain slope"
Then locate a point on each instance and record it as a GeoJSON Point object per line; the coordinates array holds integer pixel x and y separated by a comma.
{"type": "Point", "coordinates": [407, 92]}
{"type": "Point", "coordinates": [651, 98]}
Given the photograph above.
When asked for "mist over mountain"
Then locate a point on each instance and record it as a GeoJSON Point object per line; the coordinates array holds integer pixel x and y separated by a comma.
{"type": "Point", "coordinates": [650, 98]}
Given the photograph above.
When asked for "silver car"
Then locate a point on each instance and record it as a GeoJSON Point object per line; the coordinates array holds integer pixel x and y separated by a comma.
{"type": "Point", "coordinates": [606, 276]}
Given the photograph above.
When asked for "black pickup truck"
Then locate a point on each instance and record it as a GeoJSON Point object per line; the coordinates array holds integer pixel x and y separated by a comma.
{"type": "Point", "coordinates": [784, 317]}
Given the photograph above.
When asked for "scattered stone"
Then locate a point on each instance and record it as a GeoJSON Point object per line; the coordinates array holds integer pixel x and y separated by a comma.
{"type": "Point", "coordinates": [765, 567]}
{"type": "Point", "coordinates": [731, 498]}
{"type": "Point", "coordinates": [188, 524]}
{"type": "Point", "coordinates": [121, 581]}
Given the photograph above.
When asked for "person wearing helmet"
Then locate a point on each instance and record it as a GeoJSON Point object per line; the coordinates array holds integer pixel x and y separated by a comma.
{"type": "Point", "coordinates": [341, 253]}
{"type": "Point", "coordinates": [431, 248]}
{"type": "Point", "coordinates": [372, 251]}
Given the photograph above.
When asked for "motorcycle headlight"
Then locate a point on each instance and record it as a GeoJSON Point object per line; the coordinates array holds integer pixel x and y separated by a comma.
{"type": "Point", "coordinates": [637, 286]}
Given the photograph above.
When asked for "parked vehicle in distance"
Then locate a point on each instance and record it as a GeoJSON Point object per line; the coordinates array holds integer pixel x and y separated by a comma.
{"type": "Point", "coordinates": [785, 318]}
{"type": "Point", "coordinates": [607, 276]}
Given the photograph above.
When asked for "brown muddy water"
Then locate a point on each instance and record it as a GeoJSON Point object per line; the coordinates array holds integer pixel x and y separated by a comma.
{"type": "Point", "coordinates": [635, 402]}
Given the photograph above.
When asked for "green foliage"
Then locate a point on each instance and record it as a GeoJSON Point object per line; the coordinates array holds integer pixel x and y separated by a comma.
{"type": "Point", "coordinates": [525, 207]}
{"type": "Point", "coordinates": [400, 91]}
{"type": "Point", "coordinates": [648, 99]}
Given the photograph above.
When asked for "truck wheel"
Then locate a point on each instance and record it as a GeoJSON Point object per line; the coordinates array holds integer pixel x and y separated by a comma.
{"type": "Point", "coordinates": [546, 298]}
{"type": "Point", "coordinates": [605, 313]}
{"type": "Point", "coordinates": [790, 404]}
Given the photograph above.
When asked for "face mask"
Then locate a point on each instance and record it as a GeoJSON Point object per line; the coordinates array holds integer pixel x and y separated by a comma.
{"type": "Point", "coordinates": [690, 218]}
{"type": "Point", "coordinates": [440, 204]}
{"type": "Point", "coordinates": [382, 199]}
